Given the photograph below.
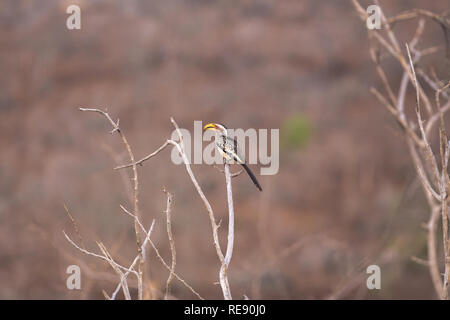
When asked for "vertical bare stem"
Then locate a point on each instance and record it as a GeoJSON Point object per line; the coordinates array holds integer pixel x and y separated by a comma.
{"type": "Point", "coordinates": [171, 242]}
{"type": "Point", "coordinates": [445, 183]}
{"type": "Point", "coordinates": [432, 255]}
{"type": "Point", "coordinates": [230, 244]}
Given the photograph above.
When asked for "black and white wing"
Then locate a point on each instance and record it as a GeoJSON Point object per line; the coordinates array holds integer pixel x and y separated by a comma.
{"type": "Point", "coordinates": [230, 149]}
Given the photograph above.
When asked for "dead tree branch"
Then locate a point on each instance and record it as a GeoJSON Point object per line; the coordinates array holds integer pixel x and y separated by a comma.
{"type": "Point", "coordinates": [433, 177]}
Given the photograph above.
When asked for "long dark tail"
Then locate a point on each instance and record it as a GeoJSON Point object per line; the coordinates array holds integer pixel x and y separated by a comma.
{"type": "Point", "coordinates": [252, 176]}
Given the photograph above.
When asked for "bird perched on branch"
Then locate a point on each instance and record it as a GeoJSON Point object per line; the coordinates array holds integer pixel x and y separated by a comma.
{"type": "Point", "coordinates": [229, 149]}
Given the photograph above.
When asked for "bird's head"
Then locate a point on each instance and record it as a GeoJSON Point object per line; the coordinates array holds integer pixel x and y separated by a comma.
{"type": "Point", "coordinates": [217, 127]}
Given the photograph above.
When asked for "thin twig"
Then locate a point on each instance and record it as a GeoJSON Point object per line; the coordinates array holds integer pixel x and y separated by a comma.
{"type": "Point", "coordinates": [121, 275]}
{"type": "Point", "coordinates": [140, 162]}
{"type": "Point", "coordinates": [399, 119]}
{"type": "Point", "coordinates": [427, 148]}
{"type": "Point", "coordinates": [88, 252]}
{"type": "Point", "coordinates": [75, 226]}
{"type": "Point", "coordinates": [171, 243]}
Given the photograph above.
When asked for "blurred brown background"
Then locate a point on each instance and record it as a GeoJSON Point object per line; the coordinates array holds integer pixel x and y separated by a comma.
{"type": "Point", "coordinates": [345, 196]}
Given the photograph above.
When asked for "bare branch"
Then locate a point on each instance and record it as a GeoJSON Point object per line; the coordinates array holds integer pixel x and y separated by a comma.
{"type": "Point", "coordinates": [121, 275]}
{"type": "Point", "coordinates": [140, 162]}
{"type": "Point", "coordinates": [90, 253]}
{"type": "Point", "coordinates": [445, 187]}
{"type": "Point", "coordinates": [399, 119]}
{"type": "Point", "coordinates": [171, 242]}
{"type": "Point", "coordinates": [230, 243]}
{"type": "Point", "coordinates": [75, 226]}
{"type": "Point", "coordinates": [427, 149]}
{"type": "Point", "coordinates": [432, 254]}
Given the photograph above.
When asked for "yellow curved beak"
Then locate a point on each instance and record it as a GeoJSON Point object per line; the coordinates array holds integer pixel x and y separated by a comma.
{"type": "Point", "coordinates": [209, 126]}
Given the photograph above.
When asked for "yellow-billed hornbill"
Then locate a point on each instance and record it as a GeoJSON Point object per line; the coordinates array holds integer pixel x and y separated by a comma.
{"type": "Point", "coordinates": [229, 149]}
